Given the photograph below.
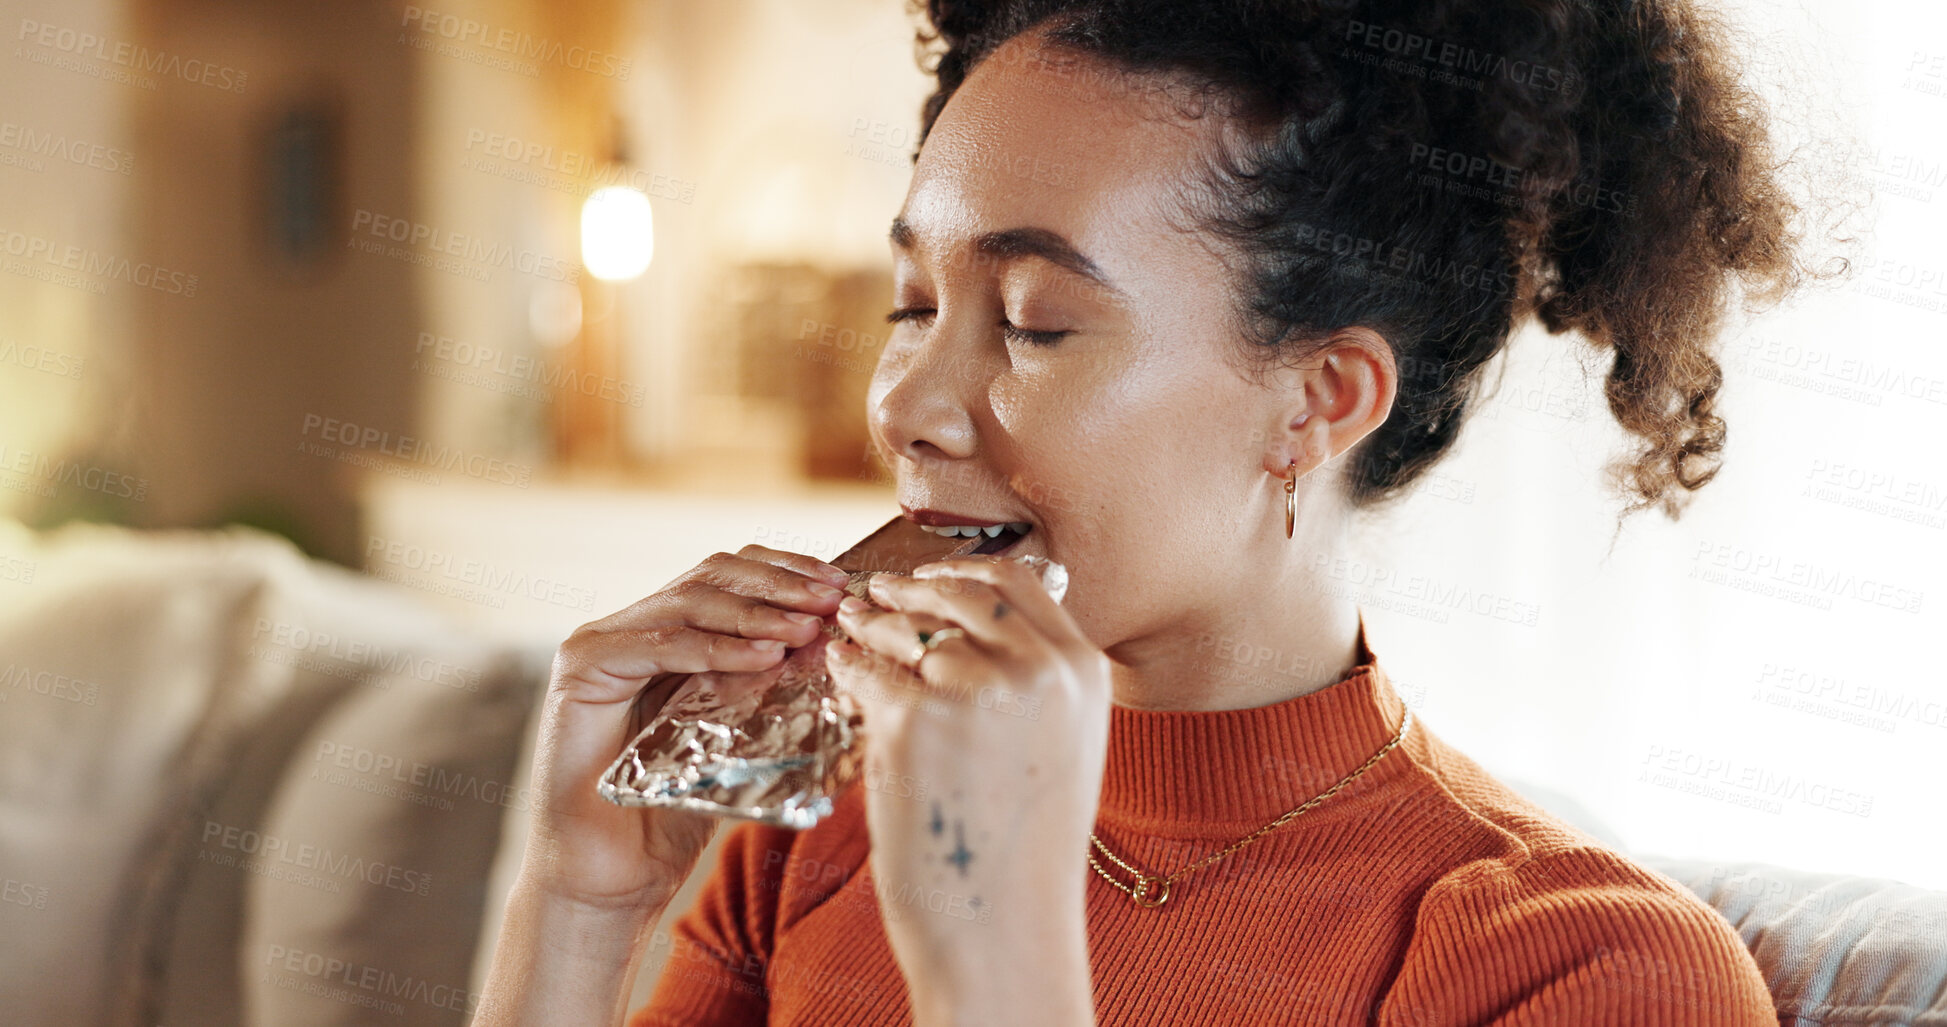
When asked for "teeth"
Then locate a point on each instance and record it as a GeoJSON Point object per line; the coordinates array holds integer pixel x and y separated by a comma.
{"type": "Point", "coordinates": [969, 531]}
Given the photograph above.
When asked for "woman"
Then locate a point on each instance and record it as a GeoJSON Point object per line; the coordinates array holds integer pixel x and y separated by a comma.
{"type": "Point", "coordinates": [1185, 287]}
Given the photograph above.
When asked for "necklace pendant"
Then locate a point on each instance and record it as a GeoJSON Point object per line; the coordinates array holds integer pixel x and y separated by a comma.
{"type": "Point", "coordinates": [1151, 892]}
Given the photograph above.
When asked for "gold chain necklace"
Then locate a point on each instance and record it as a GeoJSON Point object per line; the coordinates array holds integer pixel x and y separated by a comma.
{"type": "Point", "coordinates": [1152, 890]}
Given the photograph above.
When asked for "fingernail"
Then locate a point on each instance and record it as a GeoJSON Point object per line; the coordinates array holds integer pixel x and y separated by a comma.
{"type": "Point", "coordinates": [801, 618]}
{"type": "Point", "coordinates": [838, 576]}
{"type": "Point", "coordinates": [853, 604]}
{"type": "Point", "coordinates": [768, 645]}
{"type": "Point", "coordinates": [821, 590]}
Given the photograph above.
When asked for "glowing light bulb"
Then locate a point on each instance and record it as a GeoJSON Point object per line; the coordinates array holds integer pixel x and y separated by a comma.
{"type": "Point", "coordinates": [617, 233]}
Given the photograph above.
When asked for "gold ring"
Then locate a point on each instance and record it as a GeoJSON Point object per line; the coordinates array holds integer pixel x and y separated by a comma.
{"type": "Point", "coordinates": [928, 640]}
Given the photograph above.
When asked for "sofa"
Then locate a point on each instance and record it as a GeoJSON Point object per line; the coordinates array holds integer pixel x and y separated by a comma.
{"type": "Point", "coordinates": [241, 787]}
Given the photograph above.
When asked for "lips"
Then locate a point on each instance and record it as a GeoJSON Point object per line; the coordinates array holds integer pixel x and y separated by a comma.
{"type": "Point", "coordinates": [986, 535]}
{"type": "Point", "coordinates": [931, 518]}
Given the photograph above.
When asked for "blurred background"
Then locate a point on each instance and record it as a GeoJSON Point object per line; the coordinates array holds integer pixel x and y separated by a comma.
{"type": "Point", "coordinates": [334, 335]}
{"type": "Point", "coordinates": [282, 250]}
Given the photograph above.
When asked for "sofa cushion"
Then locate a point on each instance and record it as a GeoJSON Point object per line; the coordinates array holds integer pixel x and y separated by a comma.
{"type": "Point", "coordinates": [155, 687]}
{"type": "Point", "coordinates": [1835, 949]}
{"type": "Point", "coordinates": [124, 692]}
{"type": "Point", "coordinates": [387, 820]}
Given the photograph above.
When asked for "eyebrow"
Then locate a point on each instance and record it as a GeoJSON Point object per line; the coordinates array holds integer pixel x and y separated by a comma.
{"type": "Point", "coordinates": [1011, 243]}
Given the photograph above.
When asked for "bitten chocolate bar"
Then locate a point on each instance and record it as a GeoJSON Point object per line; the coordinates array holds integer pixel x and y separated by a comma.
{"type": "Point", "coordinates": [772, 745]}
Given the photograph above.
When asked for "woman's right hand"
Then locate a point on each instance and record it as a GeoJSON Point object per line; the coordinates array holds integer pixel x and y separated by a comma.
{"type": "Point", "coordinates": [728, 613]}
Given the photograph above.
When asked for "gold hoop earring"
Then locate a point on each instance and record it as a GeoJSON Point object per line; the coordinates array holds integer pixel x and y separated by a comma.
{"type": "Point", "coordinates": [1291, 499]}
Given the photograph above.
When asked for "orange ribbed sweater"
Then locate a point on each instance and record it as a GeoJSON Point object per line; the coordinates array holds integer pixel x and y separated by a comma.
{"type": "Point", "coordinates": [1425, 893]}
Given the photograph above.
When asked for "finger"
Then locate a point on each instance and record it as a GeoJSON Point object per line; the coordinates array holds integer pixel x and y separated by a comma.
{"type": "Point", "coordinates": [610, 666]}
{"type": "Point", "coordinates": [806, 565]}
{"type": "Point", "coordinates": [980, 608]}
{"type": "Point", "coordinates": [1020, 590]}
{"type": "Point", "coordinates": [894, 634]}
{"type": "Point", "coordinates": [742, 575]}
{"type": "Point", "coordinates": [708, 608]}
{"type": "Point", "coordinates": [889, 652]}
{"type": "Point", "coordinates": [875, 681]}
{"type": "Point", "coordinates": [731, 594]}
{"type": "Point", "coordinates": [763, 579]}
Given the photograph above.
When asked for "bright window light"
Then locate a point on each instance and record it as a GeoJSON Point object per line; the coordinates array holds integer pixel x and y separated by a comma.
{"type": "Point", "coordinates": [617, 233]}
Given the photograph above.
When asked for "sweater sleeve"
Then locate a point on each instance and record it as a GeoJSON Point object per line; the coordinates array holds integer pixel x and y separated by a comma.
{"type": "Point", "coordinates": [1583, 936]}
{"type": "Point", "coordinates": [720, 947]}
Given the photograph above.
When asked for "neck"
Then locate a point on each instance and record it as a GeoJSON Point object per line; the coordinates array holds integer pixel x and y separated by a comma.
{"type": "Point", "coordinates": [1253, 653]}
{"type": "Point", "coordinates": [1275, 629]}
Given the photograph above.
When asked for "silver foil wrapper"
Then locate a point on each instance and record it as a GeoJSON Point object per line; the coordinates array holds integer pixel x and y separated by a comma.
{"type": "Point", "coordinates": [773, 746]}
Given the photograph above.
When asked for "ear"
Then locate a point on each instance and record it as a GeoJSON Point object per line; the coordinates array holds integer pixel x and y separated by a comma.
{"type": "Point", "coordinates": [1325, 404]}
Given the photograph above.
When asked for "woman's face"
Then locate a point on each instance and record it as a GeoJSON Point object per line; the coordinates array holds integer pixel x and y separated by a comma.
{"type": "Point", "coordinates": [1049, 199]}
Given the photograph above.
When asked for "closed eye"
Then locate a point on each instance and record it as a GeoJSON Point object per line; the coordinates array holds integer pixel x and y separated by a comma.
{"type": "Point", "coordinates": [1008, 330]}
{"type": "Point", "coordinates": [1030, 336]}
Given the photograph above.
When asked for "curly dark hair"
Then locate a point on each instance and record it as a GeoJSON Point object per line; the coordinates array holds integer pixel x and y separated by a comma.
{"type": "Point", "coordinates": [1440, 170]}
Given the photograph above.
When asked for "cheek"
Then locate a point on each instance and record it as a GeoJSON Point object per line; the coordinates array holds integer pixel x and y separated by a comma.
{"type": "Point", "coordinates": [1050, 418]}
{"type": "Point", "coordinates": [1108, 448]}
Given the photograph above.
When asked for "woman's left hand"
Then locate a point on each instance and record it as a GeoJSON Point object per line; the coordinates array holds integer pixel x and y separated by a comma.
{"type": "Point", "coordinates": [1004, 733]}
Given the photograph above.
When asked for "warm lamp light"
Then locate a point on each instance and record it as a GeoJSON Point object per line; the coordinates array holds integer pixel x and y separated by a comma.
{"type": "Point", "coordinates": [617, 233]}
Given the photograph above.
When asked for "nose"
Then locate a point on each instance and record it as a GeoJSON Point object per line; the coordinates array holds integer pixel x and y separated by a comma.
{"type": "Point", "coordinates": [919, 402]}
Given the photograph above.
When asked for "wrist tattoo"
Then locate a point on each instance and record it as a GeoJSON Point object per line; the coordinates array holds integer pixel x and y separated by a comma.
{"type": "Point", "coordinates": [960, 855]}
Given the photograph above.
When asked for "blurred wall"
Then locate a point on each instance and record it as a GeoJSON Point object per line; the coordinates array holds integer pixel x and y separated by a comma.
{"type": "Point", "coordinates": [232, 386]}
{"type": "Point", "coordinates": [67, 166]}
{"type": "Point", "coordinates": [179, 179]}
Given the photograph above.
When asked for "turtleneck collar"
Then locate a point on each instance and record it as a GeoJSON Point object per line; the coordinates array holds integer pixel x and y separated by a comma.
{"type": "Point", "coordinates": [1174, 770]}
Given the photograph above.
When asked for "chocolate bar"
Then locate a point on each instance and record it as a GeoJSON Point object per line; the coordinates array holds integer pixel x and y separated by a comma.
{"type": "Point", "coordinates": [773, 745]}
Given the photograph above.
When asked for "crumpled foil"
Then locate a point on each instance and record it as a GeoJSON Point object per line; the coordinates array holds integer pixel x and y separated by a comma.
{"type": "Point", "coordinates": [773, 746]}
